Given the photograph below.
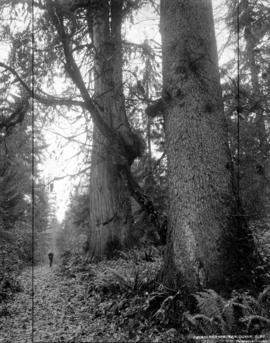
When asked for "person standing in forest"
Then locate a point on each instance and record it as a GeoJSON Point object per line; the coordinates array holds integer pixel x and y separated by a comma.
{"type": "Point", "coordinates": [50, 255]}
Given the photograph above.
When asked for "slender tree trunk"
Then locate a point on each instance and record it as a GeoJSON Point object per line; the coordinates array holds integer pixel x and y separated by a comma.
{"type": "Point", "coordinates": [207, 244]}
{"type": "Point", "coordinates": [110, 208]}
{"type": "Point", "coordinates": [262, 160]}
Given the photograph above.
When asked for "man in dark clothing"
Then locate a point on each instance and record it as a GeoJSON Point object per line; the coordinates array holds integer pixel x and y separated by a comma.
{"type": "Point", "coordinates": [50, 254]}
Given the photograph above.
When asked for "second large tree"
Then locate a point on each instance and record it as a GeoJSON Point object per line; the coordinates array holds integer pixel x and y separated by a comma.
{"type": "Point", "coordinates": [110, 211]}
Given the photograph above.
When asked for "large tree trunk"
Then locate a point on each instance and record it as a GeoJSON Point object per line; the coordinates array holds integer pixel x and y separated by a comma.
{"type": "Point", "coordinates": [207, 245]}
{"type": "Point", "coordinates": [110, 208]}
{"type": "Point", "coordinates": [115, 146]}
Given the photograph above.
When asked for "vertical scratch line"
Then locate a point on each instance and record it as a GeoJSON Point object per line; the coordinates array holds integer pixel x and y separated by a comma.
{"type": "Point", "coordinates": [238, 108]}
{"type": "Point", "coordinates": [33, 160]}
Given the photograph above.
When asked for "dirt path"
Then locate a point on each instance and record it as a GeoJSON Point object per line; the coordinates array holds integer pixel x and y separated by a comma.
{"type": "Point", "coordinates": [62, 312]}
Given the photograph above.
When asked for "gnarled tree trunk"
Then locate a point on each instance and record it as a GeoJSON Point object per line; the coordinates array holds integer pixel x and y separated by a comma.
{"type": "Point", "coordinates": [110, 208]}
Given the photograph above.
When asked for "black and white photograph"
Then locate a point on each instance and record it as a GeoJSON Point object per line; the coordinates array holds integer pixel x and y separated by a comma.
{"type": "Point", "coordinates": [134, 171]}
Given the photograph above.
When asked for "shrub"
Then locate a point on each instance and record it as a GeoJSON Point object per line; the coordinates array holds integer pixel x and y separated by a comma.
{"type": "Point", "coordinates": [241, 314]}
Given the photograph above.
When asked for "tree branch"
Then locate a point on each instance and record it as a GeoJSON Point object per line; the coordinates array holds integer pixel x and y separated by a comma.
{"type": "Point", "coordinates": [69, 138]}
{"type": "Point", "coordinates": [75, 74]}
{"type": "Point", "coordinates": [119, 148]}
{"type": "Point", "coordinates": [49, 99]}
{"type": "Point", "coordinates": [146, 203]}
{"type": "Point", "coordinates": [58, 178]}
{"type": "Point", "coordinates": [17, 116]}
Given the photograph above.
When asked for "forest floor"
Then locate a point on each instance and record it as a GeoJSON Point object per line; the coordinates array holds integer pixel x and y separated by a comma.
{"type": "Point", "coordinates": [60, 313]}
{"type": "Point", "coordinates": [65, 310]}
{"type": "Point", "coordinates": [117, 300]}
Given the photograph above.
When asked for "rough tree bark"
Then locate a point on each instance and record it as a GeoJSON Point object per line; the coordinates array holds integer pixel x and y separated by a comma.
{"type": "Point", "coordinates": [208, 244]}
{"type": "Point", "coordinates": [110, 208]}
{"type": "Point", "coordinates": [122, 144]}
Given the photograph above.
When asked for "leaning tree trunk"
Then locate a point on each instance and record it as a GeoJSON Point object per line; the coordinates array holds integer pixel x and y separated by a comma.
{"type": "Point", "coordinates": [208, 245]}
{"type": "Point", "coordinates": [110, 208]}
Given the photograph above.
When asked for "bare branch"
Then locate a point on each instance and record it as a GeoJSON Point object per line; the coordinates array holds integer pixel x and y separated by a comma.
{"type": "Point", "coordinates": [69, 138]}
{"type": "Point", "coordinates": [49, 99]}
{"type": "Point", "coordinates": [58, 178]}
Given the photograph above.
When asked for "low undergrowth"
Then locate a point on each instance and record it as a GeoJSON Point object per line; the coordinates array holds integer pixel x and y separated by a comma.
{"type": "Point", "coordinates": [241, 314]}
{"type": "Point", "coordinates": [10, 267]}
{"type": "Point", "coordinates": [127, 292]}
{"type": "Point", "coordinates": [122, 300]}
{"type": "Point", "coordinates": [123, 289]}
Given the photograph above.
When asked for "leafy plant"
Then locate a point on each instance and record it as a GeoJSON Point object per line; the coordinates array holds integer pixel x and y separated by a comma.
{"type": "Point", "coordinates": [165, 307]}
{"type": "Point", "coordinates": [126, 280]}
{"type": "Point", "coordinates": [242, 313]}
{"type": "Point", "coordinates": [216, 314]}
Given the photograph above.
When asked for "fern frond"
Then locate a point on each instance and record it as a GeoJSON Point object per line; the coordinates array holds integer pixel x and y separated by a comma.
{"type": "Point", "coordinates": [263, 294]}
{"type": "Point", "coordinates": [189, 318]}
{"type": "Point", "coordinates": [250, 305]}
{"type": "Point", "coordinates": [250, 319]}
{"type": "Point", "coordinates": [210, 303]}
{"type": "Point", "coordinates": [228, 313]}
{"type": "Point", "coordinates": [260, 318]}
{"type": "Point", "coordinates": [204, 323]}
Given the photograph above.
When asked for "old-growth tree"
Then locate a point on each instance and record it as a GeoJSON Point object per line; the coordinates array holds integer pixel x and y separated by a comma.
{"type": "Point", "coordinates": [110, 210]}
{"type": "Point", "coordinates": [115, 144]}
{"type": "Point", "coordinates": [83, 38]}
{"type": "Point", "coordinates": [208, 244]}
{"type": "Point", "coordinates": [93, 29]}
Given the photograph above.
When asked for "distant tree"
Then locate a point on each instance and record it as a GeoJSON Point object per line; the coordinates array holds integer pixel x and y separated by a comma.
{"type": "Point", "coordinates": [15, 171]}
{"type": "Point", "coordinates": [78, 212]}
{"type": "Point", "coordinates": [249, 23]}
{"type": "Point", "coordinates": [16, 216]}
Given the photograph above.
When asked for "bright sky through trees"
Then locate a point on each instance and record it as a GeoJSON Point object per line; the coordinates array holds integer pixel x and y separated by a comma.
{"type": "Point", "coordinates": [63, 156]}
{"type": "Point", "coordinates": [61, 161]}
